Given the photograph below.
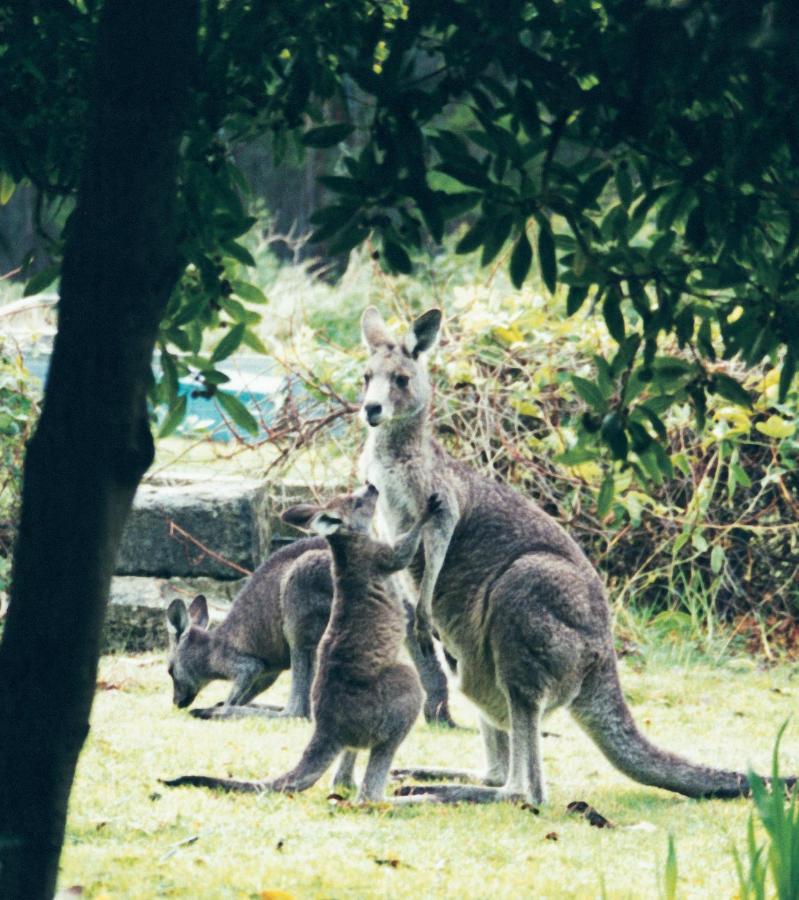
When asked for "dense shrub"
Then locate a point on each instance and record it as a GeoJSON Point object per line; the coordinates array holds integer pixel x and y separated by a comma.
{"type": "Point", "coordinates": [721, 528]}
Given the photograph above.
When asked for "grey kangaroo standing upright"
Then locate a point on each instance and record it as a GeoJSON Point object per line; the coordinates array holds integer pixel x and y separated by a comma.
{"type": "Point", "coordinates": [362, 696]}
{"type": "Point", "coordinates": [511, 595]}
{"type": "Point", "coordinates": [276, 621]}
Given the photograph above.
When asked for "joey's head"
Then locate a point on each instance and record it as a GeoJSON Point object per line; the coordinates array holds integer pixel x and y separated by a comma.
{"type": "Point", "coordinates": [396, 384]}
{"type": "Point", "coordinates": [188, 644]}
{"type": "Point", "coordinates": [346, 514]}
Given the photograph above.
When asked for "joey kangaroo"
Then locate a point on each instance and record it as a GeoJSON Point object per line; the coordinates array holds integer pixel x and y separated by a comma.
{"type": "Point", "coordinates": [276, 622]}
{"type": "Point", "coordinates": [362, 697]}
{"type": "Point", "coordinates": [511, 595]}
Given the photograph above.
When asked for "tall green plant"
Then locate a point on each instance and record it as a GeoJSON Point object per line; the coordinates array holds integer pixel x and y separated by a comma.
{"type": "Point", "coordinates": [779, 855]}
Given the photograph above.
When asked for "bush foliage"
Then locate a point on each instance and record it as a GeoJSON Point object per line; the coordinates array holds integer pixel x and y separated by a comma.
{"type": "Point", "coordinates": [522, 389]}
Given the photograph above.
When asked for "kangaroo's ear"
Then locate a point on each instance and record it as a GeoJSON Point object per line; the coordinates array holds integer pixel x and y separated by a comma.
{"type": "Point", "coordinates": [326, 523]}
{"type": "Point", "coordinates": [198, 611]}
{"type": "Point", "coordinates": [424, 332]}
{"type": "Point", "coordinates": [177, 619]}
{"type": "Point", "coordinates": [299, 516]}
{"type": "Point", "coordinates": [373, 329]}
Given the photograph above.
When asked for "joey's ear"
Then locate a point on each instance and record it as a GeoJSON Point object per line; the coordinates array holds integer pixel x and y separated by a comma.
{"type": "Point", "coordinates": [177, 619]}
{"type": "Point", "coordinates": [424, 332]}
{"type": "Point", "coordinates": [373, 329]}
{"type": "Point", "coordinates": [299, 516]}
{"type": "Point", "coordinates": [326, 523]}
{"type": "Point", "coordinates": [198, 611]}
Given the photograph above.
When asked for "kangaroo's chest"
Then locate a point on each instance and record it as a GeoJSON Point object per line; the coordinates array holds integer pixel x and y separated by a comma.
{"type": "Point", "coordinates": [402, 492]}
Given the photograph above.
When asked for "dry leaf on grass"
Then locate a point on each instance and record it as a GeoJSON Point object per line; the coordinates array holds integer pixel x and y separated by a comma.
{"type": "Point", "coordinates": [581, 808]}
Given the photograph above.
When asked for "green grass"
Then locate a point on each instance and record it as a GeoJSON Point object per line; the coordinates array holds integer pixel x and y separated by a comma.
{"type": "Point", "coordinates": [129, 837]}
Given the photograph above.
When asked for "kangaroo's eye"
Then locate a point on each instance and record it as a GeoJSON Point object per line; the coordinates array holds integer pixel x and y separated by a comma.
{"type": "Point", "coordinates": [367, 377]}
{"type": "Point", "coordinates": [358, 504]}
{"type": "Point", "coordinates": [401, 381]}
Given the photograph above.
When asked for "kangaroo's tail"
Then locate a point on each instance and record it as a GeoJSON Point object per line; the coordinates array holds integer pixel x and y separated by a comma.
{"type": "Point", "coordinates": [602, 712]}
{"type": "Point", "coordinates": [225, 784]}
{"type": "Point", "coordinates": [317, 756]}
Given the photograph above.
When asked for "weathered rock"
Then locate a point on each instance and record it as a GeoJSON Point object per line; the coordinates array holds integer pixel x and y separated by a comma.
{"type": "Point", "coordinates": [219, 529]}
{"type": "Point", "coordinates": [135, 617]}
{"type": "Point", "coordinates": [223, 529]}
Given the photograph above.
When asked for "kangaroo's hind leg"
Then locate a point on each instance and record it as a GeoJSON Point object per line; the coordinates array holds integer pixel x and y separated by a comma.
{"type": "Point", "coordinates": [315, 761]}
{"type": "Point", "coordinates": [525, 777]}
{"type": "Point", "coordinates": [495, 743]}
{"type": "Point", "coordinates": [400, 699]}
{"type": "Point", "coordinates": [344, 777]}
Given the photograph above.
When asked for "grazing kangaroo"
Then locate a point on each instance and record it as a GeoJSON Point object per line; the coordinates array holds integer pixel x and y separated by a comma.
{"type": "Point", "coordinates": [276, 622]}
{"type": "Point", "coordinates": [362, 697]}
{"type": "Point", "coordinates": [511, 595]}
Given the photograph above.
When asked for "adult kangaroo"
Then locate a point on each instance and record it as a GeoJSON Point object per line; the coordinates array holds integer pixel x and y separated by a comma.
{"type": "Point", "coordinates": [511, 595]}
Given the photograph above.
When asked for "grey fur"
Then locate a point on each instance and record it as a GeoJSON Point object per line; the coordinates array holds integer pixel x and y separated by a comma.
{"type": "Point", "coordinates": [511, 595]}
{"type": "Point", "coordinates": [275, 623]}
{"type": "Point", "coordinates": [362, 696]}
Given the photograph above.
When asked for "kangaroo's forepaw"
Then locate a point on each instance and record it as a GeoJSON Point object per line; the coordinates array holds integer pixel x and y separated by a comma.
{"type": "Point", "coordinates": [206, 712]}
{"type": "Point", "coordinates": [434, 505]}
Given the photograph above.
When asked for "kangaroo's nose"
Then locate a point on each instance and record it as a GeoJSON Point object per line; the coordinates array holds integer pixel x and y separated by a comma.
{"type": "Point", "coordinates": [373, 411]}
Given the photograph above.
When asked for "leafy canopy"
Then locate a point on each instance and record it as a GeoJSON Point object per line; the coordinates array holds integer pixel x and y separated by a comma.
{"type": "Point", "coordinates": [642, 155]}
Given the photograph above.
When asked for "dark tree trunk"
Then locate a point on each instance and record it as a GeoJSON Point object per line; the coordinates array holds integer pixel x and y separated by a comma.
{"type": "Point", "coordinates": [93, 443]}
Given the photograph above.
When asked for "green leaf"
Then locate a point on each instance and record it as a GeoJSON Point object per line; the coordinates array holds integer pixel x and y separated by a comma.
{"type": "Point", "coordinates": [170, 375]}
{"type": "Point", "coordinates": [589, 392]}
{"type": "Point", "coordinates": [495, 239]}
{"type": "Point", "coordinates": [661, 247]}
{"type": "Point", "coordinates": [229, 343]}
{"type": "Point", "coordinates": [520, 260]}
{"type": "Point", "coordinates": [574, 456]}
{"type": "Point", "coordinates": [396, 257]}
{"type": "Point", "coordinates": [624, 185]}
{"type": "Point", "coordinates": [717, 557]}
{"type": "Point", "coordinates": [248, 292]}
{"type": "Point", "coordinates": [343, 185]}
{"type": "Point", "coordinates": [575, 298]}
{"type": "Point", "coordinates": [7, 188]}
{"type": "Point", "coordinates": [699, 541]}
{"type": "Point", "coordinates": [670, 875]}
{"type": "Point", "coordinates": [611, 310]}
{"type": "Point", "coordinates": [546, 259]}
{"type": "Point", "coordinates": [787, 374]}
{"type": "Point", "coordinates": [174, 417]}
{"type": "Point", "coordinates": [741, 476]}
{"type": "Point", "coordinates": [212, 376]}
{"type": "Point", "coordinates": [654, 421]}
{"type": "Point", "coordinates": [605, 496]}
{"type": "Point", "coordinates": [42, 280]}
{"type": "Point", "coordinates": [237, 411]}
{"type": "Point", "coordinates": [473, 238]}
{"type": "Point", "coordinates": [327, 135]}
{"type": "Point", "coordinates": [593, 186]}
{"type": "Point", "coordinates": [614, 435]}
{"type": "Point", "coordinates": [239, 253]}
{"type": "Point", "coordinates": [730, 389]}
{"type": "Point", "coordinates": [251, 340]}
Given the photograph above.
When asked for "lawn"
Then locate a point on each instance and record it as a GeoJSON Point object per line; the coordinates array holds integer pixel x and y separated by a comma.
{"type": "Point", "coordinates": [130, 837]}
